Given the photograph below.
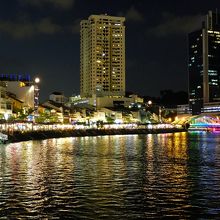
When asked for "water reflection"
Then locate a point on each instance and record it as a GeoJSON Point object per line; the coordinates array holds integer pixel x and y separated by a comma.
{"type": "Point", "coordinates": [126, 177]}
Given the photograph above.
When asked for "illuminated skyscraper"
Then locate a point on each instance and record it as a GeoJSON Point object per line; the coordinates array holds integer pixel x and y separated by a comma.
{"type": "Point", "coordinates": [102, 56]}
{"type": "Point", "coordinates": [204, 63]}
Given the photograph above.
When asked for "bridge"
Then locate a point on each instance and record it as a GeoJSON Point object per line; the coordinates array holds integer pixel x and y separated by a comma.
{"type": "Point", "coordinates": [204, 122]}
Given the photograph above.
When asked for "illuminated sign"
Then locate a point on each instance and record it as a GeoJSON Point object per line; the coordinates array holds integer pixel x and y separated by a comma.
{"type": "Point", "coordinates": [15, 77]}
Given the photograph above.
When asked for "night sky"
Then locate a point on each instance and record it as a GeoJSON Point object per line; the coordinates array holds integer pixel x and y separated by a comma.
{"type": "Point", "coordinates": [41, 37]}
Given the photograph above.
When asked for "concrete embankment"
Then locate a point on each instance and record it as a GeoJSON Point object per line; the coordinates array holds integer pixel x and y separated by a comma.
{"type": "Point", "coordinates": [19, 136]}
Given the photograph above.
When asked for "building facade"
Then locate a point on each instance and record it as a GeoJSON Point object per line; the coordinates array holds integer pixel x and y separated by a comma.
{"type": "Point", "coordinates": [24, 91]}
{"type": "Point", "coordinates": [5, 102]}
{"type": "Point", "coordinates": [102, 56]}
{"type": "Point", "coordinates": [203, 63]}
{"type": "Point", "coordinates": [58, 97]}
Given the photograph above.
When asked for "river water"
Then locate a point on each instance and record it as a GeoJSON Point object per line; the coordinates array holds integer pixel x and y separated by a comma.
{"type": "Point", "coordinates": [176, 176]}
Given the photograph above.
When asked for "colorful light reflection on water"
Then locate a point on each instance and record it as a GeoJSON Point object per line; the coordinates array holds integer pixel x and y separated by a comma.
{"type": "Point", "coordinates": [124, 177]}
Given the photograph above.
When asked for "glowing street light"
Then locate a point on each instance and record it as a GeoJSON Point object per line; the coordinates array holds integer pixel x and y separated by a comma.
{"type": "Point", "coordinates": [36, 95]}
{"type": "Point", "coordinates": [149, 102]}
{"type": "Point", "coordinates": [37, 80]}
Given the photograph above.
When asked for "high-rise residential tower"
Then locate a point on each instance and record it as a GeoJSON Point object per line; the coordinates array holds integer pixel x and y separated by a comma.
{"type": "Point", "coordinates": [102, 56]}
{"type": "Point", "coordinates": [204, 63]}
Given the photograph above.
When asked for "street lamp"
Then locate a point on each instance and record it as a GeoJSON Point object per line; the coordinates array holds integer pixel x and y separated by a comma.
{"type": "Point", "coordinates": [160, 111]}
{"type": "Point", "coordinates": [37, 80]}
{"type": "Point", "coordinates": [6, 116]}
{"type": "Point", "coordinates": [36, 95]}
{"type": "Point", "coordinates": [149, 102]}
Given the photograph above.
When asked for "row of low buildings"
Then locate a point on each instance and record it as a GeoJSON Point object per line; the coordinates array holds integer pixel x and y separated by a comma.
{"type": "Point", "coordinates": [81, 110]}
{"type": "Point", "coordinates": [18, 102]}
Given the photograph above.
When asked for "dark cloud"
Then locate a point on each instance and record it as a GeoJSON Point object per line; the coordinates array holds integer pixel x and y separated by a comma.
{"type": "Point", "coordinates": [29, 29]}
{"type": "Point", "coordinates": [132, 14]}
{"type": "Point", "coordinates": [46, 26]}
{"type": "Point", "coordinates": [61, 4]}
{"type": "Point", "coordinates": [176, 25]}
{"type": "Point", "coordinates": [75, 28]}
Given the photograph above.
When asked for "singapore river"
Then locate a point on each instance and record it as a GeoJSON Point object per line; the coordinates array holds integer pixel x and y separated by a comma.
{"type": "Point", "coordinates": [174, 176]}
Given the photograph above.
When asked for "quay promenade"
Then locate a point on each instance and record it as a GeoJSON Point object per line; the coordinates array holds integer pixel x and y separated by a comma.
{"type": "Point", "coordinates": [38, 132]}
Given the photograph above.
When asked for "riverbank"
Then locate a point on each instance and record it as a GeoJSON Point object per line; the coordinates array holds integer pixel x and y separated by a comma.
{"type": "Point", "coordinates": [19, 136]}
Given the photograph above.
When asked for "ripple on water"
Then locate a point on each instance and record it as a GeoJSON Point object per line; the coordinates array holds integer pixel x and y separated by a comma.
{"type": "Point", "coordinates": [123, 177]}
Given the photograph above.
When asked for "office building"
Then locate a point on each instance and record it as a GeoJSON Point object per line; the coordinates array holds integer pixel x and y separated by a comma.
{"type": "Point", "coordinates": [102, 56]}
{"type": "Point", "coordinates": [203, 63]}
